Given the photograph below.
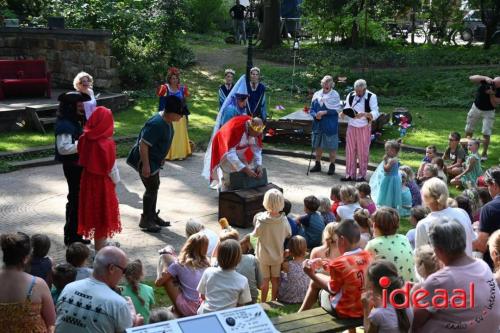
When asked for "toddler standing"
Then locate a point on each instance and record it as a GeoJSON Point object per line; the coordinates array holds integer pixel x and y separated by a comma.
{"type": "Point", "coordinates": [386, 181]}
{"type": "Point", "coordinates": [271, 228]}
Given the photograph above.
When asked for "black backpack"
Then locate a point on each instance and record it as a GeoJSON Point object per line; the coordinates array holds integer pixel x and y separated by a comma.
{"type": "Point", "coordinates": [367, 101]}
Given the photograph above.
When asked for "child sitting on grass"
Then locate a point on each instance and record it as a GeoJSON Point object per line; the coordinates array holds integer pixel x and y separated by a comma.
{"type": "Point", "coordinates": [341, 291]}
{"type": "Point", "coordinates": [222, 287]}
{"type": "Point", "coordinates": [335, 197]}
{"type": "Point", "coordinates": [77, 255]}
{"type": "Point", "coordinates": [405, 208]}
{"type": "Point", "coordinates": [271, 230]}
{"type": "Point", "coordinates": [40, 263]}
{"type": "Point", "coordinates": [362, 218]}
{"type": "Point", "coordinates": [312, 222]}
{"type": "Point", "coordinates": [365, 199]}
{"type": "Point", "coordinates": [378, 318]}
{"type": "Point", "coordinates": [249, 266]}
{"type": "Point", "coordinates": [472, 169]}
{"type": "Point", "coordinates": [325, 210]}
{"type": "Point", "coordinates": [62, 274]}
{"type": "Point", "coordinates": [430, 153]}
{"type": "Point", "coordinates": [350, 202]}
{"type": "Point", "coordinates": [142, 295]}
{"type": "Point", "coordinates": [294, 281]}
{"type": "Point", "coordinates": [416, 197]}
{"type": "Point", "coordinates": [181, 277]}
{"type": "Point", "coordinates": [416, 214]}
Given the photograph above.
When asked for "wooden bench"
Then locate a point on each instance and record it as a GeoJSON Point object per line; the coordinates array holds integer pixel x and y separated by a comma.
{"type": "Point", "coordinates": [312, 321]}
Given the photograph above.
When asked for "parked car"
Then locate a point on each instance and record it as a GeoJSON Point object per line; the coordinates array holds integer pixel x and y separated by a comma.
{"type": "Point", "coordinates": [474, 29]}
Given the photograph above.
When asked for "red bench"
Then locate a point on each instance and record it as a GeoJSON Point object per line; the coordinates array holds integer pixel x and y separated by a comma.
{"type": "Point", "coordinates": [24, 78]}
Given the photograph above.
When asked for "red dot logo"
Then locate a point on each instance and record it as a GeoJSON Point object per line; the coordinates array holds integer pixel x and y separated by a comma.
{"type": "Point", "coordinates": [384, 282]}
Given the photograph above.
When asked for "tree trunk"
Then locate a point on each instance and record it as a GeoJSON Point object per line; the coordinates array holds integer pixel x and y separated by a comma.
{"type": "Point", "coordinates": [271, 29]}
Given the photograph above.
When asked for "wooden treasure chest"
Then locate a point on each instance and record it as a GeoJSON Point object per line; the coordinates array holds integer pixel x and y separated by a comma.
{"type": "Point", "coordinates": [240, 206]}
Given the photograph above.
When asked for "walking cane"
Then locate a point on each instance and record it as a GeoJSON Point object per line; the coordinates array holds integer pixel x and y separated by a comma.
{"type": "Point", "coordinates": [310, 159]}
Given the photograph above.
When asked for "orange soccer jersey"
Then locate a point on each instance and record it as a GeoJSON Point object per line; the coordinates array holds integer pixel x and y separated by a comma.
{"type": "Point", "coordinates": [347, 282]}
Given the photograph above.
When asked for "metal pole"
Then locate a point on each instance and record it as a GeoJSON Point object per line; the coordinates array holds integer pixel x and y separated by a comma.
{"type": "Point", "coordinates": [251, 11]}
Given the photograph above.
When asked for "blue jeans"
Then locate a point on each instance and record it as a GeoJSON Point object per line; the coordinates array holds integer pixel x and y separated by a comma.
{"type": "Point", "coordinates": [239, 30]}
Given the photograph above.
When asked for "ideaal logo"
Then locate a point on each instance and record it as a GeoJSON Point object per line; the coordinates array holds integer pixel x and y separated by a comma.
{"type": "Point", "coordinates": [442, 298]}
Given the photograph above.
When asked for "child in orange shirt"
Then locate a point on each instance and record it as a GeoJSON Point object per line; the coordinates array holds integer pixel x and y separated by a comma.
{"type": "Point", "coordinates": [341, 291]}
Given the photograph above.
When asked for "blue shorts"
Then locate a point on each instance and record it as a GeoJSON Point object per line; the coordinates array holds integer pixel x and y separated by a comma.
{"type": "Point", "coordinates": [326, 142]}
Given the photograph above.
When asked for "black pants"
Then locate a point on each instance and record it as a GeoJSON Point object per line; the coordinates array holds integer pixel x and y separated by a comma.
{"type": "Point", "coordinates": [152, 184]}
{"type": "Point", "coordinates": [72, 172]}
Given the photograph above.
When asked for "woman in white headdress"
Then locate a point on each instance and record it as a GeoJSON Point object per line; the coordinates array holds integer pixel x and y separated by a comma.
{"type": "Point", "coordinates": [236, 104]}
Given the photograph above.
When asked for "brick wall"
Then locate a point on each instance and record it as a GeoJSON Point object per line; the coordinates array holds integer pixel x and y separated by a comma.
{"type": "Point", "coordinates": [66, 51]}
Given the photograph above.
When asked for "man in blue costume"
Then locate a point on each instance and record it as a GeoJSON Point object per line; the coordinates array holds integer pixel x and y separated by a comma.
{"type": "Point", "coordinates": [257, 95]}
{"type": "Point", "coordinates": [324, 107]}
{"type": "Point", "coordinates": [68, 129]}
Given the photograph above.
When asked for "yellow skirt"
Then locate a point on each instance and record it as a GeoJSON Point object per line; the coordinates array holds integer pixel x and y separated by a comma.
{"type": "Point", "coordinates": [180, 147]}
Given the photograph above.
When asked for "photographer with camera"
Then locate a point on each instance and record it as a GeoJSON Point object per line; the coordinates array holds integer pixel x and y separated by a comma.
{"type": "Point", "coordinates": [487, 98]}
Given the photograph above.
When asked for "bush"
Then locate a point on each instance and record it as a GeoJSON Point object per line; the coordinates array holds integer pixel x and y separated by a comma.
{"type": "Point", "coordinates": [205, 15]}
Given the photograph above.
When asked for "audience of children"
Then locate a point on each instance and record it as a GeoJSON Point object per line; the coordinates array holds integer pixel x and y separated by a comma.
{"type": "Point", "coordinates": [141, 294]}
{"type": "Point", "coordinates": [294, 282]}
{"type": "Point", "coordinates": [335, 197]}
{"type": "Point", "coordinates": [362, 218]}
{"type": "Point", "coordinates": [390, 245]}
{"type": "Point", "coordinates": [472, 167]}
{"type": "Point", "coordinates": [77, 255]}
{"type": "Point", "coordinates": [350, 202]}
{"type": "Point", "coordinates": [406, 203]}
{"type": "Point", "coordinates": [324, 209]}
{"type": "Point", "coordinates": [365, 199]}
{"type": "Point", "coordinates": [222, 287]}
{"type": "Point", "coordinates": [312, 222]}
{"type": "Point", "coordinates": [271, 230]}
{"type": "Point", "coordinates": [249, 266]}
{"type": "Point", "coordinates": [181, 278]}
{"type": "Point", "coordinates": [386, 181]}
{"type": "Point", "coordinates": [416, 214]}
{"type": "Point", "coordinates": [377, 317]}
{"type": "Point", "coordinates": [416, 198]}
{"type": "Point", "coordinates": [62, 274]}
{"type": "Point", "coordinates": [40, 263]}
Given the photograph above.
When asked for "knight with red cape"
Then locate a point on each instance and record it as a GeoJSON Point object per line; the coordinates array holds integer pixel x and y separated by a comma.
{"type": "Point", "coordinates": [236, 147]}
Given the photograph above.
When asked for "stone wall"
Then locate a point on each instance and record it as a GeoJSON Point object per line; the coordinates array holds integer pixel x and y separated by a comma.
{"type": "Point", "coordinates": [66, 51]}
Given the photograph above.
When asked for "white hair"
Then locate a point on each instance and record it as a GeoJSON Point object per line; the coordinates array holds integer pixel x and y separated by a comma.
{"type": "Point", "coordinates": [257, 69]}
{"type": "Point", "coordinates": [78, 78]}
{"type": "Point", "coordinates": [328, 79]}
{"type": "Point", "coordinates": [360, 83]}
{"type": "Point", "coordinates": [193, 226]}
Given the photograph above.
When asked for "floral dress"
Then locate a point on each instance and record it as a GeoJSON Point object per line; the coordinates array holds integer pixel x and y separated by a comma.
{"type": "Point", "coordinates": [294, 284]}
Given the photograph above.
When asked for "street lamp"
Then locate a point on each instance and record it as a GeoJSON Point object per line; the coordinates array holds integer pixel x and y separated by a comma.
{"type": "Point", "coordinates": [295, 48]}
{"type": "Point", "coordinates": [251, 19]}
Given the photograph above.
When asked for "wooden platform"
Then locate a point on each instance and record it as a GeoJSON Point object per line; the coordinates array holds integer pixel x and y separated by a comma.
{"type": "Point", "coordinates": [37, 113]}
{"type": "Point", "coordinates": [313, 321]}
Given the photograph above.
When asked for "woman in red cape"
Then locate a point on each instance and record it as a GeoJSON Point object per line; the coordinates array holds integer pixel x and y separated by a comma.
{"type": "Point", "coordinates": [98, 214]}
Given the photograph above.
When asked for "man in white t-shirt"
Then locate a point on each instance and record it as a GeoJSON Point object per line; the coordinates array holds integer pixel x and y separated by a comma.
{"type": "Point", "coordinates": [434, 196]}
{"type": "Point", "coordinates": [92, 304]}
